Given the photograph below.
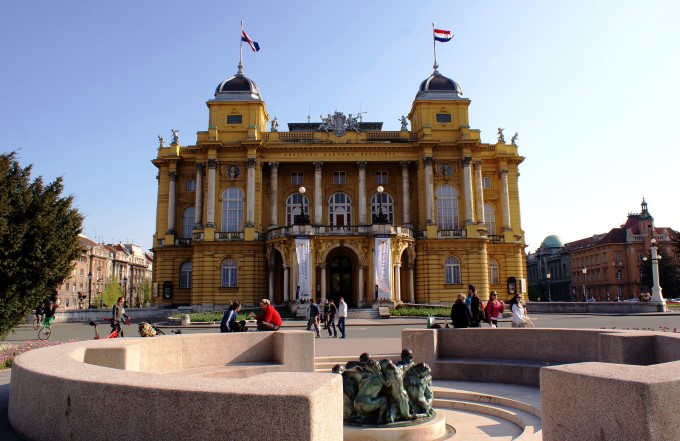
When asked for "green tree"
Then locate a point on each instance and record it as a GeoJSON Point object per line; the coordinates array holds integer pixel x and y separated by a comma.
{"type": "Point", "coordinates": [112, 292]}
{"type": "Point", "coordinates": [668, 274]}
{"type": "Point", "coordinates": [38, 240]}
{"type": "Point", "coordinates": [144, 293]}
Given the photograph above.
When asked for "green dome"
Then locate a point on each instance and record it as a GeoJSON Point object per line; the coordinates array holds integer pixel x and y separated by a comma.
{"type": "Point", "coordinates": [553, 242]}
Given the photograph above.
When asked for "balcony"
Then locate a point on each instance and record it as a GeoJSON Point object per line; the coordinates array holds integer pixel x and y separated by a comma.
{"type": "Point", "coordinates": [183, 242]}
{"type": "Point", "coordinates": [496, 238]}
{"type": "Point", "coordinates": [448, 234]}
{"type": "Point", "coordinates": [340, 230]}
{"type": "Point", "coordinates": [229, 235]}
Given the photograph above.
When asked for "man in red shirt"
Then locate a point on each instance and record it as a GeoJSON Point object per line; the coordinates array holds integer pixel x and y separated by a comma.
{"type": "Point", "coordinates": [269, 320]}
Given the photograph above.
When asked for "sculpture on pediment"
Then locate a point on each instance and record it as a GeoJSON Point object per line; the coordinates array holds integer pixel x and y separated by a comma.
{"type": "Point", "coordinates": [175, 136]}
{"type": "Point", "coordinates": [501, 138]}
{"type": "Point", "coordinates": [404, 122]}
{"type": "Point", "coordinates": [514, 138]}
{"type": "Point", "coordinates": [161, 141]}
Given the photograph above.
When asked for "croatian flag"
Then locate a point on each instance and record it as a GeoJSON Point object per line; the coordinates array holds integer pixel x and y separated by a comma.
{"type": "Point", "coordinates": [253, 44]}
{"type": "Point", "coordinates": [442, 36]}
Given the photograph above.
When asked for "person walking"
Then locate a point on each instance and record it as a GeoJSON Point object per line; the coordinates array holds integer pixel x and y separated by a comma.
{"type": "Point", "coordinates": [494, 309]}
{"type": "Point", "coordinates": [119, 316]}
{"type": "Point", "coordinates": [475, 307]}
{"type": "Point", "coordinates": [460, 313]}
{"type": "Point", "coordinates": [314, 317]}
{"type": "Point", "coordinates": [326, 313]}
{"type": "Point", "coordinates": [332, 311]}
{"type": "Point", "coordinates": [519, 319]}
{"type": "Point", "coordinates": [342, 315]}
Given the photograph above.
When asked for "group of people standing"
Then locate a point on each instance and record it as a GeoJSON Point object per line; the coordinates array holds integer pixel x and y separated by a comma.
{"type": "Point", "coordinates": [469, 311]}
{"type": "Point", "coordinates": [330, 311]}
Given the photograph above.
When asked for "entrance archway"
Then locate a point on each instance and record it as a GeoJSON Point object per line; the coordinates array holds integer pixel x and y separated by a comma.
{"type": "Point", "coordinates": [341, 280]}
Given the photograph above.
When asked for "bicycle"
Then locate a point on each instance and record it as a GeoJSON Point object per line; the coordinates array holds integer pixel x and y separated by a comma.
{"type": "Point", "coordinates": [114, 329]}
{"type": "Point", "coordinates": [38, 321]}
{"type": "Point", "coordinates": [45, 331]}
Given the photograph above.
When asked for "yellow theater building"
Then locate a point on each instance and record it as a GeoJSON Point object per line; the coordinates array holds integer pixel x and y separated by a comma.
{"type": "Point", "coordinates": [337, 207]}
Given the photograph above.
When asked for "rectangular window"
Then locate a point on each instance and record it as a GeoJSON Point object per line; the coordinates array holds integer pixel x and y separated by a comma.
{"type": "Point", "coordinates": [191, 185]}
{"type": "Point", "coordinates": [339, 177]}
{"type": "Point", "coordinates": [234, 119]}
{"type": "Point", "coordinates": [381, 177]}
{"type": "Point", "coordinates": [443, 117]}
{"type": "Point", "coordinates": [486, 182]}
{"type": "Point", "coordinates": [297, 178]}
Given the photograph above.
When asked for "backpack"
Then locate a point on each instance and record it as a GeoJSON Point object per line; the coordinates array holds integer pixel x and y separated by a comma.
{"type": "Point", "coordinates": [145, 330]}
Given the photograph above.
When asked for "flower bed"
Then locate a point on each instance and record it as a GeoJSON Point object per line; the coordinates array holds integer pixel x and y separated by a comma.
{"type": "Point", "coordinates": [9, 351]}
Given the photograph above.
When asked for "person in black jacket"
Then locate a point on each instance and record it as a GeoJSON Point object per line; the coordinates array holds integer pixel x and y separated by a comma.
{"type": "Point", "coordinates": [475, 307]}
{"type": "Point", "coordinates": [460, 313]}
{"type": "Point", "coordinates": [314, 318]}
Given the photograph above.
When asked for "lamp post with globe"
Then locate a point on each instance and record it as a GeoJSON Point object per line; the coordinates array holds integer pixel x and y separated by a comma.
{"type": "Point", "coordinates": [584, 270]}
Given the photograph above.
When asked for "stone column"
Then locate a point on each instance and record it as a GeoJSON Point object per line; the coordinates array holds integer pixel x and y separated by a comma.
{"type": "Point", "coordinates": [397, 282]}
{"type": "Point", "coordinates": [318, 203]}
{"type": "Point", "coordinates": [323, 285]}
{"type": "Point", "coordinates": [210, 203]}
{"type": "Point", "coordinates": [406, 197]}
{"type": "Point", "coordinates": [250, 208]}
{"type": "Point", "coordinates": [411, 283]}
{"type": "Point", "coordinates": [271, 284]}
{"type": "Point", "coordinates": [198, 209]}
{"type": "Point", "coordinates": [286, 283]}
{"type": "Point", "coordinates": [172, 199]}
{"type": "Point", "coordinates": [505, 197]}
{"type": "Point", "coordinates": [467, 186]}
{"type": "Point", "coordinates": [362, 192]}
{"type": "Point", "coordinates": [360, 282]}
{"type": "Point", "coordinates": [274, 194]}
{"type": "Point", "coordinates": [479, 192]}
{"type": "Point", "coordinates": [429, 190]}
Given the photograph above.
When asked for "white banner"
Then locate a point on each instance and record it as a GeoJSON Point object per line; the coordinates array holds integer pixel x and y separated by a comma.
{"type": "Point", "coordinates": [304, 287]}
{"type": "Point", "coordinates": [383, 267]}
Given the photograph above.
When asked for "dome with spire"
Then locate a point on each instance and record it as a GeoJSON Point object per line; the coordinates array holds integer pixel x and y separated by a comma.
{"type": "Point", "coordinates": [238, 88]}
{"type": "Point", "coordinates": [437, 86]}
{"type": "Point", "coordinates": [553, 241]}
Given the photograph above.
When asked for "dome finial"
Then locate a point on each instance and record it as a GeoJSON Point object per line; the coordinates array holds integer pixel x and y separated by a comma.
{"type": "Point", "coordinates": [240, 68]}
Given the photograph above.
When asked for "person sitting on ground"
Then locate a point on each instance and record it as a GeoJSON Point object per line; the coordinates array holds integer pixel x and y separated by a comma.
{"type": "Point", "coordinates": [460, 313]}
{"type": "Point", "coordinates": [119, 316]}
{"type": "Point", "coordinates": [229, 323]}
{"type": "Point", "coordinates": [270, 319]}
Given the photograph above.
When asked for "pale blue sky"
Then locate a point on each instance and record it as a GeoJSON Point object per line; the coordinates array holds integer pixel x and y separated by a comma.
{"type": "Point", "coordinates": [591, 87]}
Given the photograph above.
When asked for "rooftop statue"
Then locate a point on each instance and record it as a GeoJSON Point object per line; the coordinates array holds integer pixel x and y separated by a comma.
{"type": "Point", "coordinates": [161, 141]}
{"type": "Point", "coordinates": [175, 136]}
{"type": "Point", "coordinates": [514, 138]}
{"type": "Point", "coordinates": [501, 138]}
{"type": "Point", "coordinates": [275, 125]}
{"type": "Point", "coordinates": [404, 122]}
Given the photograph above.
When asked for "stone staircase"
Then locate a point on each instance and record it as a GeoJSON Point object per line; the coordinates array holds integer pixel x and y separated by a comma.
{"type": "Point", "coordinates": [325, 364]}
{"type": "Point", "coordinates": [363, 313]}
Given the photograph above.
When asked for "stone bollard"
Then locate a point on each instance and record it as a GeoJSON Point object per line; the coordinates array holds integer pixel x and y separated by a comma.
{"type": "Point", "coordinates": [186, 320]}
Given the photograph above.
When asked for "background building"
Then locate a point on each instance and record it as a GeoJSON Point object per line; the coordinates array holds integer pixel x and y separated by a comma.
{"type": "Point", "coordinates": [606, 266]}
{"type": "Point", "coordinates": [337, 207]}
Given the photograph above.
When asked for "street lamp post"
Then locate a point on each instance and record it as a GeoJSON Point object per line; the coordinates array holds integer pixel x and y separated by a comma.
{"type": "Point", "coordinates": [380, 218]}
{"type": "Point", "coordinates": [656, 288]}
{"type": "Point", "coordinates": [584, 270]}
{"type": "Point", "coordinates": [124, 286]}
{"type": "Point", "coordinates": [547, 276]}
{"type": "Point", "coordinates": [89, 290]}
{"type": "Point", "coordinates": [619, 276]}
{"type": "Point", "coordinates": [302, 218]}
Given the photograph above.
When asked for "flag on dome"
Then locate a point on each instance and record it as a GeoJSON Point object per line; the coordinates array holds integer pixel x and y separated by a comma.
{"type": "Point", "coordinates": [253, 44]}
{"type": "Point", "coordinates": [442, 35]}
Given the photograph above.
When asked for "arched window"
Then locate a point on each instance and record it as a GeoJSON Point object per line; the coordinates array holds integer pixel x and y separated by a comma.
{"type": "Point", "coordinates": [494, 277]}
{"type": "Point", "coordinates": [293, 204]}
{"type": "Point", "coordinates": [229, 273]}
{"type": "Point", "coordinates": [452, 268]}
{"type": "Point", "coordinates": [447, 208]}
{"type": "Point", "coordinates": [387, 205]}
{"type": "Point", "coordinates": [339, 210]}
{"type": "Point", "coordinates": [187, 222]}
{"type": "Point", "coordinates": [232, 210]}
{"type": "Point", "coordinates": [490, 219]}
{"type": "Point", "coordinates": [185, 275]}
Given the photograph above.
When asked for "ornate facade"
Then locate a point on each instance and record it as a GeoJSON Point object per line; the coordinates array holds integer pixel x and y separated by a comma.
{"type": "Point", "coordinates": [337, 207]}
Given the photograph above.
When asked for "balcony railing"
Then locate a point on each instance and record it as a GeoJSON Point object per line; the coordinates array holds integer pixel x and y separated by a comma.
{"type": "Point", "coordinates": [198, 235]}
{"type": "Point", "coordinates": [496, 238]}
{"type": "Point", "coordinates": [450, 233]}
{"type": "Point", "coordinates": [229, 235]}
{"type": "Point", "coordinates": [182, 242]}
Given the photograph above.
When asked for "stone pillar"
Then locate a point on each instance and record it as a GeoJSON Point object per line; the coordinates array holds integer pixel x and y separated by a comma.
{"type": "Point", "coordinates": [362, 192]}
{"type": "Point", "coordinates": [411, 283]}
{"type": "Point", "coordinates": [172, 199]}
{"type": "Point", "coordinates": [318, 203]}
{"type": "Point", "coordinates": [273, 222]}
{"type": "Point", "coordinates": [406, 197]}
{"type": "Point", "coordinates": [210, 203]}
{"type": "Point", "coordinates": [250, 207]}
{"type": "Point", "coordinates": [429, 191]}
{"type": "Point", "coordinates": [286, 283]}
{"type": "Point", "coordinates": [271, 284]}
{"type": "Point", "coordinates": [479, 192]}
{"type": "Point", "coordinates": [397, 282]}
{"type": "Point", "coordinates": [323, 285]}
{"type": "Point", "coordinates": [198, 209]}
{"type": "Point", "coordinates": [505, 198]}
{"type": "Point", "coordinates": [467, 186]}
{"type": "Point", "coordinates": [360, 282]}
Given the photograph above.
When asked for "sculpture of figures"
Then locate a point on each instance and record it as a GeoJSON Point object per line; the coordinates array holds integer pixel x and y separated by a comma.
{"type": "Point", "coordinates": [394, 382]}
{"type": "Point", "coordinates": [352, 123]}
{"type": "Point", "coordinates": [175, 136]}
{"type": "Point", "coordinates": [418, 385]}
{"type": "Point", "coordinates": [368, 399]}
{"type": "Point", "coordinates": [501, 138]}
{"type": "Point", "coordinates": [350, 387]}
{"type": "Point", "coordinates": [161, 141]}
{"type": "Point", "coordinates": [404, 122]}
{"type": "Point", "coordinates": [326, 123]}
{"type": "Point", "coordinates": [514, 138]}
{"type": "Point", "coordinates": [275, 125]}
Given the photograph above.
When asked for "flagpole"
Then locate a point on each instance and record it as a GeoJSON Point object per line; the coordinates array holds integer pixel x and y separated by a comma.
{"type": "Point", "coordinates": [240, 50]}
{"type": "Point", "coordinates": [434, 47]}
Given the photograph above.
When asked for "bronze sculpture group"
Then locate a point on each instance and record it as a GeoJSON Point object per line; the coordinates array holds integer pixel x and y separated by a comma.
{"type": "Point", "coordinates": [386, 392]}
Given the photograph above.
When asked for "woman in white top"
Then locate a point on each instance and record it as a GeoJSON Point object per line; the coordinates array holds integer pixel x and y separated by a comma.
{"type": "Point", "coordinates": [519, 318]}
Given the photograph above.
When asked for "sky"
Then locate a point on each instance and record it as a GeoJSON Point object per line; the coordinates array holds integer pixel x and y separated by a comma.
{"type": "Point", "coordinates": [591, 88]}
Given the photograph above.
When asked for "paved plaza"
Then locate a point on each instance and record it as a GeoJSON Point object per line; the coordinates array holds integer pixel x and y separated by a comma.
{"type": "Point", "coordinates": [375, 336]}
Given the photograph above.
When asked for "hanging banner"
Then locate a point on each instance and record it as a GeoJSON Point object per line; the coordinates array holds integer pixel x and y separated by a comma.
{"type": "Point", "coordinates": [383, 268]}
{"type": "Point", "coordinates": [304, 286]}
